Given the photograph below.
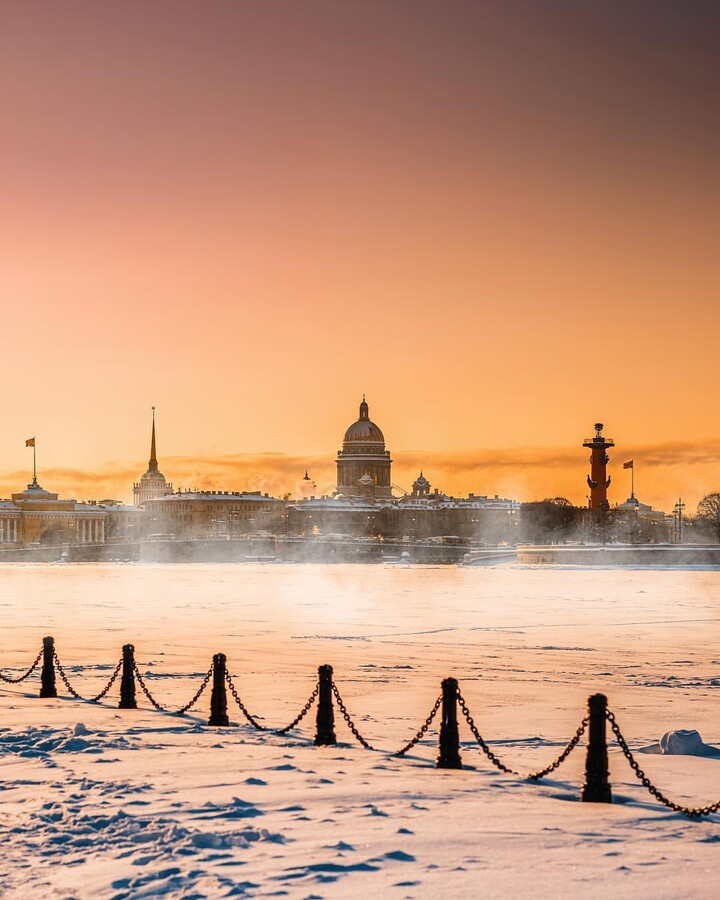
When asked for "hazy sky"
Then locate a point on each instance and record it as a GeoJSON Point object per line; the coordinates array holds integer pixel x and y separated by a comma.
{"type": "Point", "coordinates": [497, 219]}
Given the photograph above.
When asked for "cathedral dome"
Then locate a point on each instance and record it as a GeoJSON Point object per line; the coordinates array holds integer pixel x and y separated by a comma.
{"type": "Point", "coordinates": [364, 430]}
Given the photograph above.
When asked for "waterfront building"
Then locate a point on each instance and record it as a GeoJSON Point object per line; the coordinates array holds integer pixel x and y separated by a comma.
{"type": "Point", "coordinates": [153, 483]}
{"type": "Point", "coordinates": [420, 515]}
{"type": "Point", "coordinates": [363, 464]}
{"type": "Point", "coordinates": [196, 515]}
{"type": "Point", "coordinates": [36, 517]}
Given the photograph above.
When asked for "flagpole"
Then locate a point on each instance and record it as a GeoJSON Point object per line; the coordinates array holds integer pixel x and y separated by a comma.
{"type": "Point", "coordinates": [632, 480]}
{"type": "Point", "coordinates": [34, 462]}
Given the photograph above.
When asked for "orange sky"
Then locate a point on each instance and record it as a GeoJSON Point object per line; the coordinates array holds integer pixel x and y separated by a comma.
{"type": "Point", "coordinates": [499, 220]}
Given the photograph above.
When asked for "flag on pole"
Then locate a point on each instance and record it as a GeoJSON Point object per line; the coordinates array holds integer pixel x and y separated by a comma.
{"type": "Point", "coordinates": [629, 464]}
{"type": "Point", "coordinates": [30, 442]}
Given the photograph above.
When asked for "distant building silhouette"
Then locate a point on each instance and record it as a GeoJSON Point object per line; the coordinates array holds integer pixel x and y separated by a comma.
{"type": "Point", "coordinates": [363, 464]}
{"type": "Point", "coordinates": [598, 480]}
{"type": "Point", "coordinates": [153, 483]}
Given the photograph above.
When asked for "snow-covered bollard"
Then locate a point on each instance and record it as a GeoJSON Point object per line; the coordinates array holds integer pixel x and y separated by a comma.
{"type": "Point", "coordinates": [325, 720]}
{"type": "Point", "coordinates": [449, 747]}
{"type": "Point", "coordinates": [218, 698]}
{"type": "Point", "coordinates": [47, 678]}
{"type": "Point", "coordinates": [127, 682]}
{"type": "Point", "coordinates": [597, 787]}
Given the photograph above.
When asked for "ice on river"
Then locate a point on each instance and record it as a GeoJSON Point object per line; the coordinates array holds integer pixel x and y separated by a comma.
{"type": "Point", "coordinates": [101, 802]}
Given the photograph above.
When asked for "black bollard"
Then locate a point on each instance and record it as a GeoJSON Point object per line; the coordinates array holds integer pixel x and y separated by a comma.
{"type": "Point", "coordinates": [47, 678]}
{"type": "Point", "coordinates": [597, 787]}
{"type": "Point", "coordinates": [449, 747]}
{"type": "Point", "coordinates": [325, 721]}
{"type": "Point", "coordinates": [127, 682]}
{"type": "Point", "coordinates": [218, 699]}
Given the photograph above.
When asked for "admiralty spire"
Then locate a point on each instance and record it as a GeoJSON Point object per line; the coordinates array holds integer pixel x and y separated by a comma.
{"type": "Point", "coordinates": [153, 483]}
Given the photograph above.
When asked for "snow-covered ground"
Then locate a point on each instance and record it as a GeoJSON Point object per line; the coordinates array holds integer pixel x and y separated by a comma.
{"type": "Point", "coordinates": [101, 802]}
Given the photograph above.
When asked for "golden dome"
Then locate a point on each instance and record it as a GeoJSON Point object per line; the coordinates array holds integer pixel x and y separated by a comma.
{"type": "Point", "coordinates": [364, 431]}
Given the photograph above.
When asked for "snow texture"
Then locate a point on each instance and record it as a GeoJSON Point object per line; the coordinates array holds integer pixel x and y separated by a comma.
{"type": "Point", "coordinates": [97, 802]}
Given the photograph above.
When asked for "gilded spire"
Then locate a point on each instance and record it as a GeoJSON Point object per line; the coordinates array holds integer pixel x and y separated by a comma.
{"type": "Point", "coordinates": [153, 465]}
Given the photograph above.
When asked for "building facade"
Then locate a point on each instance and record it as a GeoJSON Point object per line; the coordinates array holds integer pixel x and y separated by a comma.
{"type": "Point", "coordinates": [363, 464]}
{"type": "Point", "coordinates": [36, 517]}
{"type": "Point", "coordinates": [205, 515]}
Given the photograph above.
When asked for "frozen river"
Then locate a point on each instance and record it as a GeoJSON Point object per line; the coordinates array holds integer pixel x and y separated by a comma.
{"type": "Point", "coordinates": [527, 645]}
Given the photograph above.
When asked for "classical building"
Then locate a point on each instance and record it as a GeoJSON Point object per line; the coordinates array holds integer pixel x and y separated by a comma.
{"type": "Point", "coordinates": [36, 517]}
{"type": "Point", "coordinates": [195, 515]}
{"type": "Point", "coordinates": [363, 464]}
{"type": "Point", "coordinates": [153, 483]}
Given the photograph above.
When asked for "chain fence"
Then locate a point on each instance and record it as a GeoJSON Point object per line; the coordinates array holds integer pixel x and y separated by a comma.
{"type": "Point", "coordinates": [158, 706]}
{"type": "Point", "coordinates": [10, 680]}
{"type": "Point", "coordinates": [423, 729]}
{"type": "Point", "coordinates": [303, 712]}
{"type": "Point", "coordinates": [346, 715]}
{"type": "Point", "coordinates": [74, 693]}
{"type": "Point", "coordinates": [449, 726]}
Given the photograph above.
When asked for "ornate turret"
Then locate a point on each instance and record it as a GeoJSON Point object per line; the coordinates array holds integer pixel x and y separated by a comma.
{"type": "Point", "coordinates": [598, 479]}
{"type": "Point", "coordinates": [152, 484]}
{"type": "Point", "coordinates": [421, 486]}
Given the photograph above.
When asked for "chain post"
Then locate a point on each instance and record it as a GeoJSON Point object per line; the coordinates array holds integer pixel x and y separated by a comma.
{"type": "Point", "coordinates": [127, 682]}
{"type": "Point", "coordinates": [218, 698]}
{"type": "Point", "coordinates": [325, 721]}
{"type": "Point", "coordinates": [449, 746]}
{"type": "Point", "coordinates": [47, 678]}
{"type": "Point", "coordinates": [596, 788]}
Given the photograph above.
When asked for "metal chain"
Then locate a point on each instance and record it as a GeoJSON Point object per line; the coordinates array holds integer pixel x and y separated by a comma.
{"type": "Point", "coordinates": [423, 729]}
{"type": "Point", "coordinates": [693, 812]}
{"type": "Point", "coordinates": [533, 776]}
{"type": "Point", "coordinates": [145, 690]}
{"type": "Point", "coordinates": [61, 671]}
{"type": "Point", "coordinates": [483, 746]}
{"type": "Point", "coordinates": [72, 690]}
{"type": "Point", "coordinates": [110, 683]}
{"type": "Point", "coordinates": [204, 684]}
{"type": "Point", "coordinates": [243, 709]}
{"type": "Point", "coordinates": [348, 720]}
{"type": "Point", "coordinates": [162, 708]}
{"type": "Point", "coordinates": [27, 674]}
{"type": "Point", "coordinates": [582, 728]}
{"type": "Point", "coordinates": [303, 712]}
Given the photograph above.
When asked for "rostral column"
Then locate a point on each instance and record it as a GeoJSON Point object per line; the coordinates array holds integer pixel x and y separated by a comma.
{"type": "Point", "coordinates": [598, 479]}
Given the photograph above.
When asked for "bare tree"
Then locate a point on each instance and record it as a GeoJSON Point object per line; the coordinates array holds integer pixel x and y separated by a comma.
{"type": "Point", "coordinates": [709, 509]}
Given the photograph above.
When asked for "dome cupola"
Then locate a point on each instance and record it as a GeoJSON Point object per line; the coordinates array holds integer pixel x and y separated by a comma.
{"type": "Point", "coordinates": [364, 430]}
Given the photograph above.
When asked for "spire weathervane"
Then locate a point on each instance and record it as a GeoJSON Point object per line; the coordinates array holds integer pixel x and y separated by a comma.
{"type": "Point", "coordinates": [153, 452]}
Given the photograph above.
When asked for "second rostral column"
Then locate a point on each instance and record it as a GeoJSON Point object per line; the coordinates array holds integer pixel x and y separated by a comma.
{"type": "Point", "coordinates": [598, 480]}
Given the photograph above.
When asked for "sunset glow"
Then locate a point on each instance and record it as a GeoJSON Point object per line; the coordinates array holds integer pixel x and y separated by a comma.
{"type": "Point", "coordinates": [496, 220]}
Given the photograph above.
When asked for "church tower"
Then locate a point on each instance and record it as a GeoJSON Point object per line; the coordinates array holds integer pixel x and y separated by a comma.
{"type": "Point", "coordinates": [363, 464]}
{"type": "Point", "coordinates": [152, 484]}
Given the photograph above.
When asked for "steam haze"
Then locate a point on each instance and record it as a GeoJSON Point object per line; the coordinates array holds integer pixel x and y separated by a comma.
{"type": "Point", "coordinates": [529, 473]}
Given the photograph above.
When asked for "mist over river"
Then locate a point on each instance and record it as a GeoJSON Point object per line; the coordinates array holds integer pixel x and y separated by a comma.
{"type": "Point", "coordinates": [545, 637]}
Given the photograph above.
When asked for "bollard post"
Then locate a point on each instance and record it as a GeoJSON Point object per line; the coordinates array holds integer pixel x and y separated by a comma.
{"type": "Point", "coordinates": [449, 746]}
{"type": "Point", "coordinates": [218, 699]}
{"type": "Point", "coordinates": [325, 721]}
{"type": "Point", "coordinates": [127, 682]}
{"type": "Point", "coordinates": [47, 678]}
{"type": "Point", "coordinates": [596, 788]}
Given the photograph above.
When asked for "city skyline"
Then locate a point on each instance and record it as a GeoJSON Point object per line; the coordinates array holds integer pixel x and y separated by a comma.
{"type": "Point", "coordinates": [525, 474]}
{"type": "Point", "coordinates": [496, 219]}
